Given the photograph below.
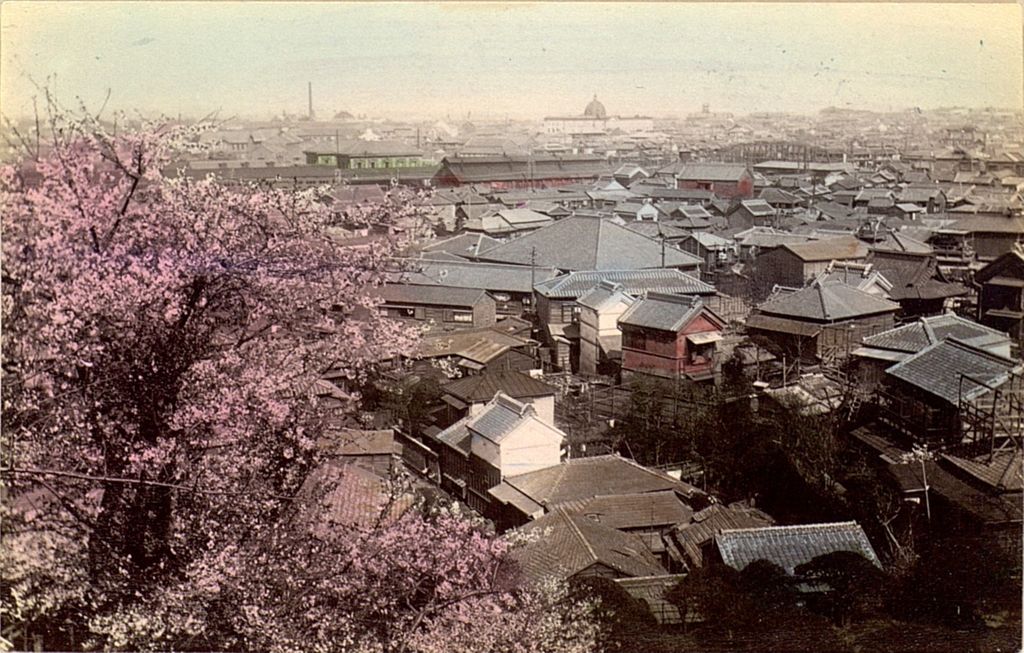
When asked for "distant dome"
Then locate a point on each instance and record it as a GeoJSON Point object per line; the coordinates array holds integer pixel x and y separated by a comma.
{"type": "Point", "coordinates": [595, 110]}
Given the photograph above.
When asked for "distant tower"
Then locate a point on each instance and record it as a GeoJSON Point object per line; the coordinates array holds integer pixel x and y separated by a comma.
{"type": "Point", "coordinates": [311, 114]}
{"type": "Point", "coordinates": [705, 108]}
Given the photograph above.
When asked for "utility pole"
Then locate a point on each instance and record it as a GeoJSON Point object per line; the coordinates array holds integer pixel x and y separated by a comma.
{"type": "Point", "coordinates": [533, 277]}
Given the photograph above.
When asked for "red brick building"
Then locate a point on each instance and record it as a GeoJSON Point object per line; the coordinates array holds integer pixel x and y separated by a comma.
{"type": "Point", "coordinates": [726, 180]}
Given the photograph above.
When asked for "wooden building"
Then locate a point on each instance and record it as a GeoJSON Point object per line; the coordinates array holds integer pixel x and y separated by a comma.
{"type": "Point", "coordinates": [512, 172]}
{"type": "Point", "coordinates": [505, 438]}
{"type": "Point", "coordinates": [795, 265]}
{"type": "Point", "coordinates": [1001, 294]}
{"type": "Point", "coordinates": [672, 336]}
{"type": "Point", "coordinates": [558, 308]}
{"type": "Point", "coordinates": [726, 180]}
{"type": "Point", "coordinates": [437, 307]}
{"type": "Point", "coordinates": [821, 323]}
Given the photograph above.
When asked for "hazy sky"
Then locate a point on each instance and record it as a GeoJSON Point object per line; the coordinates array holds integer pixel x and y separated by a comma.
{"type": "Point", "coordinates": [523, 60]}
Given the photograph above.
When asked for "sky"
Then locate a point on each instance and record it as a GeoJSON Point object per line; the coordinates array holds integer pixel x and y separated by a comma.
{"type": "Point", "coordinates": [520, 60]}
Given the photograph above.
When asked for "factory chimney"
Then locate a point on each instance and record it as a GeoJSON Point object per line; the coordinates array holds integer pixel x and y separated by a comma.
{"type": "Point", "coordinates": [311, 114]}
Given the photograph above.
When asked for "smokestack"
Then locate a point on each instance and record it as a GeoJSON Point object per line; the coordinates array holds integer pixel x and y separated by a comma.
{"type": "Point", "coordinates": [311, 115]}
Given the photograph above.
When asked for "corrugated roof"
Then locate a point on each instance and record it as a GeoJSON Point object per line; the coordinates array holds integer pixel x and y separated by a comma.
{"type": "Point", "coordinates": [579, 243]}
{"type": "Point", "coordinates": [791, 546]}
{"type": "Point", "coordinates": [470, 170]}
{"type": "Point", "coordinates": [936, 369]}
{"type": "Point", "coordinates": [576, 284]}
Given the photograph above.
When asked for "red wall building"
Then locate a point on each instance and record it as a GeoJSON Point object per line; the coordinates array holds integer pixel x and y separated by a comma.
{"type": "Point", "coordinates": [726, 180]}
{"type": "Point", "coordinates": [671, 336]}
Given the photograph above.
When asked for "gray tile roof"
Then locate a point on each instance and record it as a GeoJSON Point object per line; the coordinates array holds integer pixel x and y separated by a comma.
{"type": "Point", "coordinates": [576, 284]}
{"type": "Point", "coordinates": [579, 243]}
{"type": "Point", "coordinates": [604, 292]}
{"type": "Point", "coordinates": [912, 338]}
{"type": "Point", "coordinates": [501, 416]}
{"type": "Point", "coordinates": [829, 302]}
{"type": "Point", "coordinates": [791, 546]}
{"type": "Point", "coordinates": [705, 524]}
{"type": "Point", "coordinates": [662, 312]}
{"type": "Point", "coordinates": [710, 171]}
{"type": "Point", "coordinates": [936, 369]}
{"type": "Point", "coordinates": [494, 277]}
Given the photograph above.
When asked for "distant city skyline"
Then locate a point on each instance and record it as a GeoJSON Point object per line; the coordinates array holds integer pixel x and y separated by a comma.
{"type": "Point", "coordinates": [523, 61]}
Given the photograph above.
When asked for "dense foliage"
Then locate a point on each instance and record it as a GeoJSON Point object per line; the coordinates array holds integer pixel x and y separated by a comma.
{"type": "Point", "coordinates": [164, 340]}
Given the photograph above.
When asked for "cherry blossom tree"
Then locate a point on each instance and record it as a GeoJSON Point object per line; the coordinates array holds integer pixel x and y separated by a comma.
{"type": "Point", "coordinates": [163, 342]}
{"type": "Point", "coordinates": [164, 345]}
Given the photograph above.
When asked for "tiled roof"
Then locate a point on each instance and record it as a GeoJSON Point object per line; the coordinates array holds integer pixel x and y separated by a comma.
{"type": "Point", "coordinates": [663, 312]}
{"type": "Point", "coordinates": [355, 442]}
{"type": "Point", "coordinates": [482, 387]}
{"type": "Point", "coordinates": [711, 241]}
{"type": "Point", "coordinates": [791, 546]}
{"type": "Point", "coordinates": [583, 478]}
{"type": "Point", "coordinates": [340, 494]}
{"type": "Point", "coordinates": [758, 207]}
{"type": "Point", "coordinates": [400, 293]}
{"type": "Point", "coordinates": [500, 417]}
{"type": "Point", "coordinates": [936, 369]}
{"type": "Point", "coordinates": [579, 243]}
{"type": "Point", "coordinates": [625, 511]}
{"type": "Point", "coordinates": [567, 544]}
{"type": "Point", "coordinates": [469, 170]}
{"type": "Point", "coordinates": [457, 436]}
{"type": "Point", "coordinates": [842, 248]}
{"type": "Point", "coordinates": [659, 229]}
{"type": "Point", "coordinates": [576, 284]}
{"type": "Point", "coordinates": [495, 277]}
{"type": "Point", "coordinates": [605, 292]}
{"type": "Point", "coordinates": [912, 338]}
{"type": "Point", "coordinates": [710, 172]}
{"type": "Point", "coordinates": [827, 303]}
{"type": "Point", "coordinates": [1004, 472]}
{"type": "Point", "coordinates": [705, 524]}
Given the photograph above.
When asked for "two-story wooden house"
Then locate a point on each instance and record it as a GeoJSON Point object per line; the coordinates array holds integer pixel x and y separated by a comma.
{"type": "Point", "coordinates": [438, 307]}
{"type": "Point", "coordinates": [1001, 294]}
{"type": "Point", "coordinates": [559, 311]}
{"type": "Point", "coordinates": [505, 438]}
{"type": "Point", "coordinates": [671, 336]}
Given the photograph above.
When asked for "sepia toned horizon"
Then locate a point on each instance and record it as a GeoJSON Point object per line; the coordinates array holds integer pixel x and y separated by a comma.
{"type": "Point", "coordinates": [510, 60]}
